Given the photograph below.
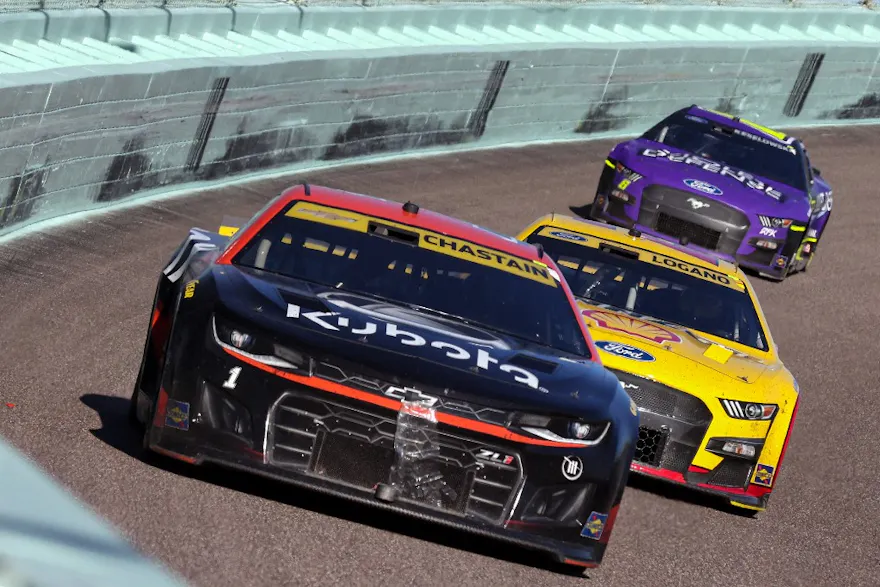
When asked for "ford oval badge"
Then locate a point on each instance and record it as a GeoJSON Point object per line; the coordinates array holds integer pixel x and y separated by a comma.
{"type": "Point", "coordinates": [624, 350]}
{"type": "Point", "coordinates": [702, 186]}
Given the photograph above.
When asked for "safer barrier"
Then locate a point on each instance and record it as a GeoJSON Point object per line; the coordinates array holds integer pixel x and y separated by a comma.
{"type": "Point", "coordinates": [100, 106]}
{"type": "Point", "coordinates": [48, 538]}
{"type": "Point", "coordinates": [20, 5]}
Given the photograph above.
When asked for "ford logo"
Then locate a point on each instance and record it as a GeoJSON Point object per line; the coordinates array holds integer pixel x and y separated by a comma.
{"type": "Point", "coordinates": [702, 186]}
{"type": "Point", "coordinates": [567, 236]}
{"type": "Point", "coordinates": [624, 350]}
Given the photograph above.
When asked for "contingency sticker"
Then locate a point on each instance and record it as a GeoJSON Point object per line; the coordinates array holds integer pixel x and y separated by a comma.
{"type": "Point", "coordinates": [429, 240]}
{"type": "Point", "coordinates": [595, 526]}
{"type": "Point", "coordinates": [177, 415]}
{"type": "Point", "coordinates": [764, 475]}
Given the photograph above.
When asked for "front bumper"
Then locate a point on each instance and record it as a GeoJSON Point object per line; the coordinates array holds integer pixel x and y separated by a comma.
{"type": "Point", "coordinates": [675, 428]}
{"type": "Point", "coordinates": [369, 450]}
{"type": "Point", "coordinates": [708, 224]}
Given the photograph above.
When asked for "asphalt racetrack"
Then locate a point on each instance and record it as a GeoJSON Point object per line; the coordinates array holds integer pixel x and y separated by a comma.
{"type": "Point", "coordinates": [75, 303]}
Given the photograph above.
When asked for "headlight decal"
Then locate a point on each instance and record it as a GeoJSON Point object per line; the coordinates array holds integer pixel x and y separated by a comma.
{"type": "Point", "coordinates": [238, 341]}
{"type": "Point", "coordinates": [749, 410]}
{"type": "Point", "coordinates": [563, 429]}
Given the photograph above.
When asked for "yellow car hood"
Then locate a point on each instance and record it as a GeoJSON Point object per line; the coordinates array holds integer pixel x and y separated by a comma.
{"type": "Point", "coordinates": [666, 350]}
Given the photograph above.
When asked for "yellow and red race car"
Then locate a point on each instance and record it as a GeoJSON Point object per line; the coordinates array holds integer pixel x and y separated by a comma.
{"type": "Point", "coordinates": [685, 334]}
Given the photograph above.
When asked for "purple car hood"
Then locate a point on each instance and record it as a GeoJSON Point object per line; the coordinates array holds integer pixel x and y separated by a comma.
{"type": "Point", "coordinates": [750, 193]}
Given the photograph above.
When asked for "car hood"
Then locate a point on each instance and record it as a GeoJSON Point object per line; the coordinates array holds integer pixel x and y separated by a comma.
{"type": "Point", "coordinates": [663, 351]}
{"type": "Point", "coordinates": [399, 344]}
{"type": "Point", "coordinates": [738, 190]}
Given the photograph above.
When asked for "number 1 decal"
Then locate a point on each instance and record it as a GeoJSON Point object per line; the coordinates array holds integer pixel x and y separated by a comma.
{"type": "Point", "coordinates": [232, 381]}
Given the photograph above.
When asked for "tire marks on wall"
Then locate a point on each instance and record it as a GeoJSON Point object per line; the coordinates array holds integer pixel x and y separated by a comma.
{"type": "Point", "coordinates": [803, 84]}
{"type": "Point", "coordinates": [24, 193]}
{"type": "Point", "coordinates": [601, 117]}
{"type": "Point", "coordinates": [252, 149]}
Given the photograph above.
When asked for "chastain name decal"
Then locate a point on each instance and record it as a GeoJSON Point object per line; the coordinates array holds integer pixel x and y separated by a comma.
{"type": "Point", "coordinates": [714, 167]}
{"type": "Point", "coordinates": [482, 358]}
{"type": "Point", "coordinates": [527, 268]}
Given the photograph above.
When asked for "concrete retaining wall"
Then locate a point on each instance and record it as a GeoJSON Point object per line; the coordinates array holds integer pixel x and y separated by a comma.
{"type": "Point", "coordinates": [94, 118]}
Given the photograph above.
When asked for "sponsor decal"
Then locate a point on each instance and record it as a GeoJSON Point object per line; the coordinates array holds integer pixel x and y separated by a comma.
{"type": "Point", "coordinates": [484, 454]}
{"type": "Point", "coordinates": [824, 202]}
{"type": "Point", "coordinates": [595, 526]}
{"type": "Point", "coordinates": [328, 215]}
{"type": "Point", "coordinates": [782, 261]}
{"type": "Point", "coordinates": [764, 475]}
{"type": "Point", "coordinates": [697, 119]}
{"type": "Point", "coordinates": [812, 233]}
{"type": "Point", "coordinates": [482, 359]}
{"type": "Point", "coordinates": [684, 267]}
{"type": "Point", "coordinates": [569, 236]}
{"type": "Point", "coordinates": [771, 232]}
{"type": "Point", "coordinates": [177, 415]}
{"type": "Point", "coordinates": [697, 204]}
{"type": "Point", "coordinates": [702, 186]}
{"type": "Point", "coordinates": [190, 289]}
{"type": "Point", "coordinates": [747, 179]}
{"type": "Point", "coordinates": [629, 177]}
{"type": "Point", "coordinates": [751, 136]}
{"type": "Point", "coordinates": [572, 468]}
{"type": "Point", "coordinates": [624, 350]}
{"type": "Point", "coordinates": [631, 326]}
{"type": "Point", "coordinates": [418, 410]}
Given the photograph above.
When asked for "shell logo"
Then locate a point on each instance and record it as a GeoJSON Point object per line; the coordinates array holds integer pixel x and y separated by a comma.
{"type": "Point", "coordinates": [631, 326]}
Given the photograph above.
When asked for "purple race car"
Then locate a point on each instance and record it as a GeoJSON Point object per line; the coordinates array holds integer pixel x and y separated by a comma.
{"type": "Point", "coordinates": [720, 183]}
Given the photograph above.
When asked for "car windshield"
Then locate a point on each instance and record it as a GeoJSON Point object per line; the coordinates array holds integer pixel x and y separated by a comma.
{"type": "Point", "coordinates": [747, 151]}
{"type": "Point", "coordinates": [423, 270]}
{"type": "Point", "coordinates": [618, 279]}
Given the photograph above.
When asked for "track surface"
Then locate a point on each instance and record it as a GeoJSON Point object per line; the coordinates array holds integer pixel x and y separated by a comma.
{"type": "Point", "coordinates": [74, 306]}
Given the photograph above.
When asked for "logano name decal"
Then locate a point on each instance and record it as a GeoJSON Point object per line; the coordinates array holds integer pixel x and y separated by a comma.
{"type": "Point", "coordinates": [334, 321]}
{"type": "Point", "coordinates": [700, 272]}
{"type": "Point", "coordinates": [744, 178]}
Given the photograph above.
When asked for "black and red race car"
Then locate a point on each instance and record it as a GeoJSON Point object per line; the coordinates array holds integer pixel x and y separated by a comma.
{"type": "Point", "coordinates": [393, 356]}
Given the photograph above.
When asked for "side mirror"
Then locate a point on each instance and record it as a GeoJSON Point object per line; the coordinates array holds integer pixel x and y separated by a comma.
{"type": "Point", "coordinates": [816, 171]}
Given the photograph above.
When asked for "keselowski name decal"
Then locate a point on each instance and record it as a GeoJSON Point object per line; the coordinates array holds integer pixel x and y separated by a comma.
{"type": "Point", "coordinates": [743, 177]}
{"type": "Point", "coordinates": [481, 358]}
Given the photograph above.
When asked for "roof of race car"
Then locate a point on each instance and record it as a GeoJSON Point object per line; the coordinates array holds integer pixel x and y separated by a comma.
{"type": "Point", "coordinates": [620, 235]}
{"type": "Point", "coordinates": [407, 214]}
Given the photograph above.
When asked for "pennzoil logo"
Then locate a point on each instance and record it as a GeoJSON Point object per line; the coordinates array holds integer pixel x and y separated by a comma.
{"type": "Point", "coordinates": [631, 326]}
